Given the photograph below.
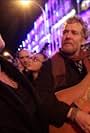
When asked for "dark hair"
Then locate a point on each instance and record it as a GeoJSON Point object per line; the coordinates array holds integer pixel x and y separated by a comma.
{"type": "Point", "coordinates": [44, 55]}
{"type": "Point", "coordinates": [77, 19]}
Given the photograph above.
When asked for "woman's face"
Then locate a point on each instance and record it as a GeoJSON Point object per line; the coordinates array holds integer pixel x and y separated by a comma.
{"type": "Point", "coordinates": [36, 63]}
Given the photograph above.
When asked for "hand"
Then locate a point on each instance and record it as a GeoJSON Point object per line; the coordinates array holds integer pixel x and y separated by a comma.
{"type": "Point", "coordinates": [83, 120]}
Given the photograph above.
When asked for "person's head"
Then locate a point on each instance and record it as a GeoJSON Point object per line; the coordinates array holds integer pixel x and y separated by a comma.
{"type": "Point", "coordinates": [24, 56]}
{"type": "Point", "coordinates": [37, 61]}
{"type": "Point", "coordinates": [18, 64]}
{"type": "Point", "coordinates": [8, 57]}
{"type": "Point", "coordinates": [2, 43]}
{"type": "Point", "coordinates": [74, 35]}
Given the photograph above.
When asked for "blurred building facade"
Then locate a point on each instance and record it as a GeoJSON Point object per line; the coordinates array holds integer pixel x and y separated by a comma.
{"type": "Point", "coordinates": [50, 29]}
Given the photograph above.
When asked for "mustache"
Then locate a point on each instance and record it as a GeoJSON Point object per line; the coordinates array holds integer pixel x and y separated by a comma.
{"type": "Point", "coordinates": [67, 41]}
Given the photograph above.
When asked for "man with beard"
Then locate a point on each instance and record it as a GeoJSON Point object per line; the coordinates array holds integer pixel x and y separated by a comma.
{"type": "Point", "coordinates": [26, 109]}
{"type": "Point", "coordinates": [69, 71]}
{"type": "Point", "coordinates": [21, 108]}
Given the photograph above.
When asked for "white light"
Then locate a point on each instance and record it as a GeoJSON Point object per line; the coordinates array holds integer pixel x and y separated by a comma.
{"type": "Point", "coordinates": [6, 53]}
{"type": "Point", "coordinates": [47, 24]}
{"type": "Point", "coordinates": [85, 5]}
{"type": "Point", "coordinates": [36, 38]}
{"type": "Point", "coordinates": [41, 18]}
{"type": "Point", "coordinates": [23, 43]}
{"type": "Point", "coordinates": [19, 49]}
{"type": "Point", "coordinates": [33, 42]}
{"type": "Point", "coordinates": [26, 41]}
{"type": "Point", "coordinates": [46, 7]}
{"type": "Point", "coordinates": [29, 47]}
{"type": "Point", "coordinates": [78, 1]}
{"type": "Point", "coordinates": [36, 48]}
{"type": "Point", "coordinates": [28, 37]}
{"type": "Point", "coordinates": [60, 22]}
{"type": "Point", "coordinates": [32, 32]}
{"type": "Point", "coordinates": [35, 25]}
{"type": "Point", "coordinates": [24, 2]}
{"type": "Point", "coordinates": [57, 14]}
{"type": "Point", "coordinates": [45, 38]}
{"type": "Point", "coordinates": [20, 46]}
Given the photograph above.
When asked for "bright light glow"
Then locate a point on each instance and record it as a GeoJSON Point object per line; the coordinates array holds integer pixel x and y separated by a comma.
{"type": "Point", "coordinates": [85, 5]}
{"type": "Point", "coordinates": [57, 14]}
{"type": "Point", "coordinates": [32, 32]}
{"type": "Point", "coordinates": [19, 49]}
{"type": "Point", "coordinates": [41, 18]}
{"type": "Point", "coordinates": [6, 53]}
{"type": "Point", "coordinates": [26, 41]}
{"type": "Point", "coordinates": [28, 37]}
{"type": "Point", "coordinates": [24, 3]}
{"type": "Point", "coordinates": [60, 22]}
{"type": "Point", "coordinates": [45, 38]}
{"type": "Point", "coordinates": [36, 48]}
{"type": "Point", "coordinates": [35, 25]}
{"type": "Point", "coordinates": [20, 46]}
{"type": "Point", "coordinates": [36, 38]}
{"type": "Point", "coordinates": [78, 1]}
{"type": "Point", "coordinates": [29, 47]}
{"type": "Point", "coordinates": [46, 7]}
{"type": "Point", "coordinates": [23, 43]}
{"type": "Point", "coordinates": [33, 42]}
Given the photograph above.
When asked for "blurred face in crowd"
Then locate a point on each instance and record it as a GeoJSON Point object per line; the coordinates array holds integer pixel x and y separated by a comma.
{"type": "Point", "coordinates": [19, 65]}
{"type": "Point", "coordinates": [24, 57]}
{"type": "Point", "coordinates": [37, 61]}
{"type": "Point", "coordinates": [72, 38]}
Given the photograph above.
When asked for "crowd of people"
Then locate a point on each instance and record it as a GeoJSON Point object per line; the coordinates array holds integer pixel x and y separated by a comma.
{"type": "Point", "coordinates": [48, 95]}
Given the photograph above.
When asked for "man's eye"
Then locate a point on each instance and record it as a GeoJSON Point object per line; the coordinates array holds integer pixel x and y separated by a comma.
{"type": "Point", "coordinates": [65, 31]}
{"type": "Point", "coordinates": [75, 32]}
{"type": "Point", "coordinates": [27, 57]}
{"type": "Point", "coordinates": [21, 57]}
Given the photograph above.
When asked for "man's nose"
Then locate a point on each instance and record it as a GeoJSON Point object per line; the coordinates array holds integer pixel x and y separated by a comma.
{"type": "Point", "coordinates": [25, 60]}
{"type": "Point", "coordinates": [69, 34]}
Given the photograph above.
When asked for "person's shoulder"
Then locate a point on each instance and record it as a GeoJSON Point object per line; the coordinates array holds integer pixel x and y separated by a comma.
{"type": "Point", "coordinates": [46, 62]}
{"type": "Point", "coordinates": [46, 65]}
{"type": "Point", "coordinates": [57, 55]}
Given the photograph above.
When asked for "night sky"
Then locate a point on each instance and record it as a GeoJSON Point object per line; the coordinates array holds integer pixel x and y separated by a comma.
{"type": "Point", "coordinates": [15, 23]}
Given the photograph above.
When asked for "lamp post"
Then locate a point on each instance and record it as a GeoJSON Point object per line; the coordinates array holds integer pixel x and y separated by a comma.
{"type": "Point", "coordinates": [27, 2]}
{"type": "Point", "coordinates": [78, 6]}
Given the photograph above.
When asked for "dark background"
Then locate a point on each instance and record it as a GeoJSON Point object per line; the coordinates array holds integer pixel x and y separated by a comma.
{"type": "Point", "coordinates": [15, 23]}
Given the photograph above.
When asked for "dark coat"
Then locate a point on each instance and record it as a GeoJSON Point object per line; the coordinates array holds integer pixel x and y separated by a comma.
{"type": "Point", "coordinates": [65, 72]}
{"type": "Point", "coordinates": [57, 73]}
{"type": "Point", "coordinates": [54, 111]}
{"type": "Point", "coordinates": [14, 114]}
